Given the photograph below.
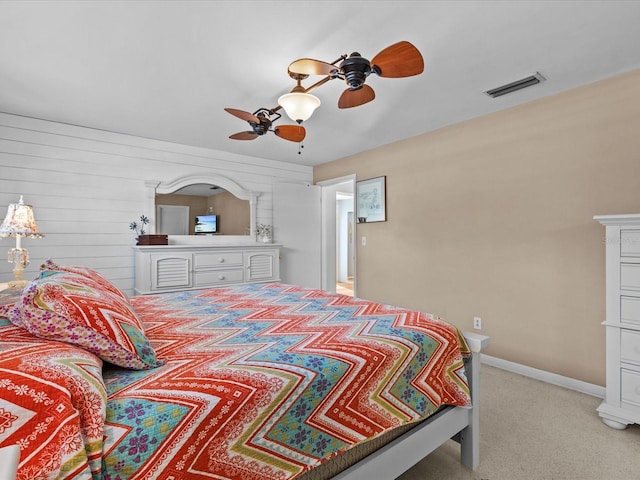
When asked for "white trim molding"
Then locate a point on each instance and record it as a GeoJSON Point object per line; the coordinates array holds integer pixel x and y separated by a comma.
{"type": "Point", "coordinates": [622, 219]}
{"type": "Point", "coordinates": [544, 376]}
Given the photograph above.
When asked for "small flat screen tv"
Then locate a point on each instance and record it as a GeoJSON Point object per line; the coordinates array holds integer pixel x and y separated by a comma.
{"type": "Point", "coordinates": [206, 224]}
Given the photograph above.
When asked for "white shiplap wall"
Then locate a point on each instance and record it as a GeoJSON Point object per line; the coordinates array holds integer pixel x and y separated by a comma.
{"type": "Point", "coordinates": [87, 185]}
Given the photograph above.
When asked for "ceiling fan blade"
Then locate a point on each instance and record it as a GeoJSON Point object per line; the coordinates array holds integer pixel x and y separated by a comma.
{"type": "Point", "coordinates": [246, 116]}
{"type": "Point", "coordinates": [399, 60]}
{"type": "Point", "coordinates": [244, 136]}
{"type": "Point", "coordinates": [355, 98]}
{"type": "Point", "coordinates": [309, 66]}
{"type": "Point", "coordinates": [293, 133]}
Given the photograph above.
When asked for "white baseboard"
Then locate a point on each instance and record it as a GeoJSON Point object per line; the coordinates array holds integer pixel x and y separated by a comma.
{"type": "Point", "coordinates": [544, 376]}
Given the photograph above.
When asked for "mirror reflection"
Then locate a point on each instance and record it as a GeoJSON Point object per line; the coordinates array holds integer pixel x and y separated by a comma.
{"type": "Point", "coordinates": [202, 209]}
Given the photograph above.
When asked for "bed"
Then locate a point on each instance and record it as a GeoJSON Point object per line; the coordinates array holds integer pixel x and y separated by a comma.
{"type": "Point", "coordinates": [254, 381]}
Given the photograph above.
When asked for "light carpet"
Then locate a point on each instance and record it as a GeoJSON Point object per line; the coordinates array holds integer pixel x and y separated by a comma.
{"type": "Point", "coordinates": [537, 431]}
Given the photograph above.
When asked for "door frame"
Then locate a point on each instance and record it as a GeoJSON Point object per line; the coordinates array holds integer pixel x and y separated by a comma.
{"type": "Point", "coordinates": [328, 233]}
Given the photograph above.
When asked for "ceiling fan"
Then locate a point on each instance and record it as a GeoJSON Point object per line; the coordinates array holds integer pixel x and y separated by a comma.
{"type": "Point", "coordinates": [399, 60]}
{"type": "Point", "coordinates": [261, 122]}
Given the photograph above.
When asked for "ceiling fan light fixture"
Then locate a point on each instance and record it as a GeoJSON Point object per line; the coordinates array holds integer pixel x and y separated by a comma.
{"type": "Point", "coordinates": [298, 105]}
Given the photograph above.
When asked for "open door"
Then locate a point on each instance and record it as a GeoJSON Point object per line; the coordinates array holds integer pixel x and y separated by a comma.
{"type": "Point", "coordinates": [304, 219]}
{"type": "Point", "coordinates": [297, 225]}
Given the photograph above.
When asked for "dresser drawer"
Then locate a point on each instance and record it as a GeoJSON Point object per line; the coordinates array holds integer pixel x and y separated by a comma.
{"type": "Point", "coordinates": [218, 259]}
{"type": "Point", "coordinates": [630, 346]}
{"type": "Point", "coordinates": [630, 276]}
{"type": "Point", "coordinates": [630, 243]}
{"type": "Point", "coordinates": [218, 277]}
{"type": "Point", "coordinates": [630, 389]}
{"type": "Point", "coordinates": [630, 309]}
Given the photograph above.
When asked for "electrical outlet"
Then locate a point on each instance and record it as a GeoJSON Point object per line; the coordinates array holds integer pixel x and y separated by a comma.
{"type": "Point", "coordinates": [477, 323]}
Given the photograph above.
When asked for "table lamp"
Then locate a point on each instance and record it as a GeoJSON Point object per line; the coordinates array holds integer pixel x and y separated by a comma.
{"type": "Point", "coordinates": [19, 223]}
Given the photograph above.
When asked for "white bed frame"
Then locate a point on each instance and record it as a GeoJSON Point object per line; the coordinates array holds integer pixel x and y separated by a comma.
{"type": "Point", "coordinates": [461, 424]}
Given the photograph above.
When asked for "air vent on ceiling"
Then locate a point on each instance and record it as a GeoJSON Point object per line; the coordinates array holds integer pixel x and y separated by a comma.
{"type": "Point", "coordinates": [517, 85]}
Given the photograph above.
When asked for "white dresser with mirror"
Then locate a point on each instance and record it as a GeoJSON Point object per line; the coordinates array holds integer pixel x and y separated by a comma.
{"type": "Point", "coordinates": [192, 262]}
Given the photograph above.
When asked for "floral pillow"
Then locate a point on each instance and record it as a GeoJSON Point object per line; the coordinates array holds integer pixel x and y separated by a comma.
{"type": "Point", "coordinates": [91, 274]}
{"type": "Point", "coordinates": [8, 298]}
{"type": "Point", "coordinates": [69, 307]}
{"type": "Point", "coordinates": [53, 404]}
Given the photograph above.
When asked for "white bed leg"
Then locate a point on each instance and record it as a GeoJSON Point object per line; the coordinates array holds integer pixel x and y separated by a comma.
{"type": "Point", "coordinates": [9, 458]}
{"type": "Point", "coordinates": [400, 454]}
{"type": "Point", "coordinates": [470, 435]}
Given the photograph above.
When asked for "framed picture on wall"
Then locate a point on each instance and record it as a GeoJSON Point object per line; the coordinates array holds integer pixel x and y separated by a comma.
{"type": "Point", "coordinates": [371, 199]}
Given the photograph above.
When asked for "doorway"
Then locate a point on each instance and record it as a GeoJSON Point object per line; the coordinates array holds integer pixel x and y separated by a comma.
{"type": "Point", "coordinates": [338, 235]}
{"type": "Point", "coordinates": [345, 243]}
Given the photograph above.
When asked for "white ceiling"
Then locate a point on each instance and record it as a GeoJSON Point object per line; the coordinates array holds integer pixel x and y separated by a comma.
{"type": "Point", "coordinates": [167, 69]}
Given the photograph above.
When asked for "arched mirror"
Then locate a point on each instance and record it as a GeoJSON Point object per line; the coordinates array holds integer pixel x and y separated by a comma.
{"type": "Point", "coordinates": [203, 206]}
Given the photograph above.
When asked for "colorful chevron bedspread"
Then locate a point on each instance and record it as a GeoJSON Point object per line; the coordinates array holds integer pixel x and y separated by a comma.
{"type": "Point", "coordinates": [264, 381]}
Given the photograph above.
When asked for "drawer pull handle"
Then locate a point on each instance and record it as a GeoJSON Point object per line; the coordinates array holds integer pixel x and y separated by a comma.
{"type": "Point", "coordinates": [220, 277]}
{"type": "Point", "coordinates": [221, 260]}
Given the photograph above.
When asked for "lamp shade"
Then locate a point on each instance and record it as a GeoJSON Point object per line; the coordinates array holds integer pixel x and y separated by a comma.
{"type": "Point", "coordinates": [19, 222]}
{"type": "Point", "coordinates": [299, 106]}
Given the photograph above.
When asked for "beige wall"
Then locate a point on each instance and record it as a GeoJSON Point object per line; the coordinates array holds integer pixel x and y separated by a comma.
{"type": "Point", "coordinates": [234, 213]}
{"type": "Point", "coordinates": [493, 218]}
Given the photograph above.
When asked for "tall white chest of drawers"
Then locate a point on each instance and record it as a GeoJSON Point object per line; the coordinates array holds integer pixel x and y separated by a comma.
{"type": "Point", "coordinates": [622, 239]}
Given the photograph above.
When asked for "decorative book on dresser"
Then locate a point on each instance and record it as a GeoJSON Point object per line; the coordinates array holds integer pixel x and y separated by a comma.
{"type": "Point", "coordinates": [621, 405]}
{"type": "Point", "coordinates": [186, 267]}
